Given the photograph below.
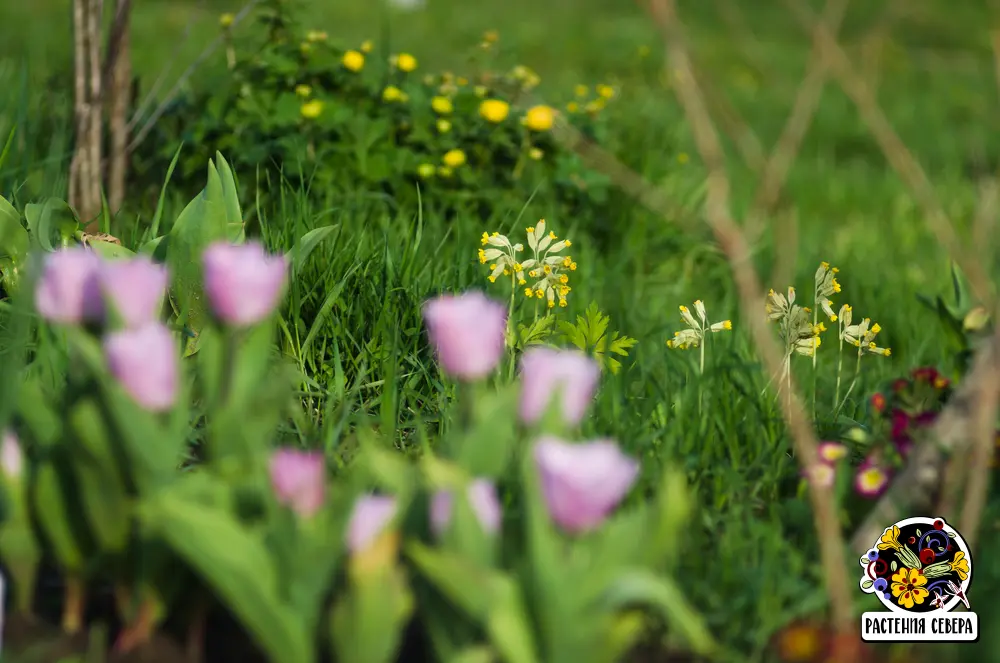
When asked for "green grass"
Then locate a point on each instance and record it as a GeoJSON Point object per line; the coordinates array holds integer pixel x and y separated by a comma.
{"type": "Point", "coordinates": [352, 321]}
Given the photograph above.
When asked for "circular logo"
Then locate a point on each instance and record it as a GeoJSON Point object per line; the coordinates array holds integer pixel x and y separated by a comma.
{"type": "Point", "coordinates": [918, 565]}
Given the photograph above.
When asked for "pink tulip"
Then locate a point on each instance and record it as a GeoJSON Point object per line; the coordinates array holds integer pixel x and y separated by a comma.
{"type": "Point", "coordinates": [583, 483]}
{"type": "Point", "coordinates": [299, 480]}
{"type": "Point", "coordinates": [11, 456]}
{"type": "Point", "coordinates": [370, 516]}
{"type": "Point", "coordinates": [134, 288]}
{"type": "Point", "coordinates": [482, 496]}
{"type": "Point", "coordinates": [546, 373]}
{"type": "Point", "coordinates": [144, 361]}
{"type": "Point", "coordinates": [242, 282]}
{"type": "Point", "coordinates": [68, 291]}
{"type": "Point", "coordinates": [467, 332]}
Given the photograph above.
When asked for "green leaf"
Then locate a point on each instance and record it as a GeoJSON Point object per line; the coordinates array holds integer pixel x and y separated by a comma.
{"type": "Point", "coordinates": [231, 197]}
{"type": "Point", "coordinates": [19, 548]}
{"type": "Point", "coordinates": [232, 560]}
{"type": "Point", "coordinates": [643, 587]}
{"type": "Point", "coordinates": [50, 500]}
{"type": "Point", "coordinates": [590, 335]}
{"type": "Point", "coordinates": [102, 491]}
{"type": "Point", "coordinates": [14, 239]}
{"type": "Point", "coordinates": [110, 250]}
{"type": "Point", "coordinates": [299, 254]}
{"type": "Point", "coordinates": [537, 332]}
{"type": "Point", "coordinates": [52, 223]}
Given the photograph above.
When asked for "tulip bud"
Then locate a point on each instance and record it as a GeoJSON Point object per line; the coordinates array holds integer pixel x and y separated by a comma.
{"type": "Point", "coordinates": [134, 289]}
{"type": "Point", "coordinates": [299, 480]}
{"type": "Point", "coordinates": [467, 332]}
{"type": "Point", "coordinates": [68, 291]}
{"type": "Point", "coordinates": [144, 361]}
{"type": "Point", "coordinates": [242, 282]}
{"type": "Point", "coordinates": [547, 373]}
{"type": "Point", "coordinates": [482, 497]}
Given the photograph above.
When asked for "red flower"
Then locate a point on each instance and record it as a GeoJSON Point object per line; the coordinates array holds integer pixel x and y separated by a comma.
{"type": "Point", "coordinates": [900, 426]}
{"type": "Point", "coordinates": [878, 402]}
{"type": "Point", "coordinates": [925, 374]}
{"type": "Point", "coordinates": [899, 385]}
{"type": "Point", "coordinates": [925, 418]}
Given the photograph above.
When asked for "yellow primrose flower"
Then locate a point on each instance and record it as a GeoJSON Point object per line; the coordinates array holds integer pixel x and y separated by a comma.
{"type": "Point", "coordinates": [494, 110]}
{"type": "Point", "coordinates": [392, 93]}
{"type": "Point", "coordinates": [605, 91]}
{"type": "Point", "coordinates": [453, 158]}
{"type": "Point", "coordinates": [443, 126]}
{"type": "Point", "coordinates": [540, 118]}
{"type": "Point", "coordinates": [366, 46]}
{"type": "Point", "coordinates": [311, 109]}
{"type": "Point", "coordinates": [226, 20]}
{"type": "Point", "coordinates": [425, 170]}
{"type": "Point", "coordinates": [353, 61]}
{"type": "Point", "coordinates": [595, 106]}
{"type": "Point", "coordinates": [303, 90]}
{"type": "Point", "coordinates": [406, 62]}
{"type": "Point", "coordinates": [535, 154]}
{"type": "Point", "coordinates": [442, 105]}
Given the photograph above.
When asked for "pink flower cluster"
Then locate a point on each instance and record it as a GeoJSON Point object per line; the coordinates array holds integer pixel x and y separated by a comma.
{"type": "Point", "coordinates": [581, 483]}
{"type": "Point", "coordinates": [242, 283]}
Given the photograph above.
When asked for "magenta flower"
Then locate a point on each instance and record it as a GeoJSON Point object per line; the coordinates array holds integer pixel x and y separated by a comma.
{"type": "Point", "coordinates": [871, 479]}
{"type": "Point", "coordinates": [467, 332]}
{"type": "Point", "coordinates": [370, 516]}
{"type": "Point", "coordinates": [242, 282]}
{"type": "Point", "coordinates": [299, 480]}
{"type": "Point", "coordinates": [583, 483]}
{"type": "Point", "coordinates": [144, 361]}
{"type": "Point", "coordinates": [134, 288]}
{"type": "Point", "coordinates": [546, 373]}
{"type": "Point", "coordinates": [482, 496]}
{"type": "Point", "coordinates": [11, 456]}
{"type": "Point", "coordinates": [68, 291]}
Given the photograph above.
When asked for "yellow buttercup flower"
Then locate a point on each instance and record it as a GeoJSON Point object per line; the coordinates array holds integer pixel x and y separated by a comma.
{"type": "Point", "coordinates": [311, 109]}
{"type": "Point", "coordinates": [605, 91]}
{"type": "Point", "coordinates": [494, 110]}
{"type": "Point", "coordinates": [540, 118]}
{"type": "Point", "coordinates": [392, 93]}
{"type": "Point", "coordinates": [226, 20]}
{"type": "Point", "coordinates": [453, 158]}
{"type": "Point", "coordinates": [480, 91]}
{"type": "Point", "coordinates": [535, 154]}
{"type": "Point", "coordinates": [573, 107]}
{"type": "Point", "coordinates": [442, 105]}
{"type": "Point", "coordinates": [316, 35]}
{"type": "Point", "coordinates": [353, 61]}
{"type": "Point", "coordinates": [425, 170]}
{"type": "Point", "coordinates": [366, 46]}
{"type": "Point", "coordinates": [406, 62]}
{"type": "Point", "coordinates": [443, 126]}
{"type": "Point", "coordinates": [303, 90]}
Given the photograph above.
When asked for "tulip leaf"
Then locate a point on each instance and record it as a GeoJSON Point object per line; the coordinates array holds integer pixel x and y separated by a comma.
{"type": "Point", "coordinates": [489, 597]}
{"type": "Point", "coordinates": [237, 565]}
{"type": "Point", "coordinates": [640, 586]}
{"type": "Point", "coordinates": [14, 239]}
{"type": "Point", "coordinates": [486, 448]}
{"type": "Point", "coordinates": [231, 198]}
{"type": "Point", "coordinates": [34, 409]}
{"type": "Point", "coordinates": [368, 621]}
{"type": "Point", "coordinates": [299, 254]}
{"type": "Point", "coordinates": [19, 548]}
{"type": "Point", "coordinates": [51, 504]}
{"type": "Point", "coordinates": [480, 654]}
{"type": "Point", "coordinates": [110, 250]}
{"type": "Point", "coordinates": [203, 221]}
{"type": "Point", "coordinates": [102, 491]}
{"type": "Point", "coordinates": [52, 223]}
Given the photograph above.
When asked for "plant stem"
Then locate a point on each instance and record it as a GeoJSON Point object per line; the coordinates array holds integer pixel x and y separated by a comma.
{"type": "Point", "coordinates": [701, 366]}
{"type": "Point", "coordinates": [840, 360]}
{"type": "Point", "coordinates": [816, 348]}
{"type": "Point", "coordinates": [72, 617]}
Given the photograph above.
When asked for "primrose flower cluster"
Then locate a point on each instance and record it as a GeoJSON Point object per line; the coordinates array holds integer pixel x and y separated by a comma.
{"type": "Point", "coordinates": [123, 300]}
{"type": "Point", "coordinates": [543, 275]}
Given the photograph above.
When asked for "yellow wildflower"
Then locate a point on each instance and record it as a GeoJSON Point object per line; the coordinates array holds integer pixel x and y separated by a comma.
{"type": "Point", "coordinates": [573, 107]}
{"type": "Point", "coordinates": [353, 61]}
{"type": "Point", "coordinates": [425, 171]}
{"type": "Point", "coordinates": [605, 91]}
{"type": "Point", "coordinates": [443, 126]}
{"type": "Point", "coordinates": [581, 90]}
{"type": "Point", "coordinates": [366, 46]}
{"type": "Point", "coordinates": [453, 158]}
{"type": "Point", "coordinates": [406, 62]}
{"type": "Point", "coordinates": [480, 91]}
{"type": "Point", "coordinates": [303, 90]}
{"type": "Point", "coordinates": [392, 93]}
{"type": "Point", "coordinates": [444, 171]}
{"type": "Point", "coordinates": [226, 20]}
{"type": "Point", "coordinates": [539, 118]}
{"type": "Point", "coordinates": [316, 35]}
{"type": "Point", "coordinates": [311, 109]}
{"type": "Point", "coordinates": [442, 105]}
{"type": "Point", "coordinates": [535, 154]}
{"type": "Point", "coordinates": [494, 110]}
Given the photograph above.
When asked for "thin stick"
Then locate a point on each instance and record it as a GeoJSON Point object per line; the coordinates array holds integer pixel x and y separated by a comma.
{"type": "Point", "coordinates": [896, 152]}
{"type": "Point", "coordinates": [733, 243]}
{"type": "Point", "coordinates": [165, 103]}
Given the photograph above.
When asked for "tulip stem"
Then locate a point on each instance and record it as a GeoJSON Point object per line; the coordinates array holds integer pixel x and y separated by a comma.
{"type": "Point", "coordinates": [72, 617]}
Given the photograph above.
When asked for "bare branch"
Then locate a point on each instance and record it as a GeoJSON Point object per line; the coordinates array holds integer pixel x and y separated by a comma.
{"type": "Point", "coordinates": [733, 243]}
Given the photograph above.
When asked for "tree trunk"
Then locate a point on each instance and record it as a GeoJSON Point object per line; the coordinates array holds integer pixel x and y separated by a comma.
{"type": "Point", "coordinates": [120, 74]}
